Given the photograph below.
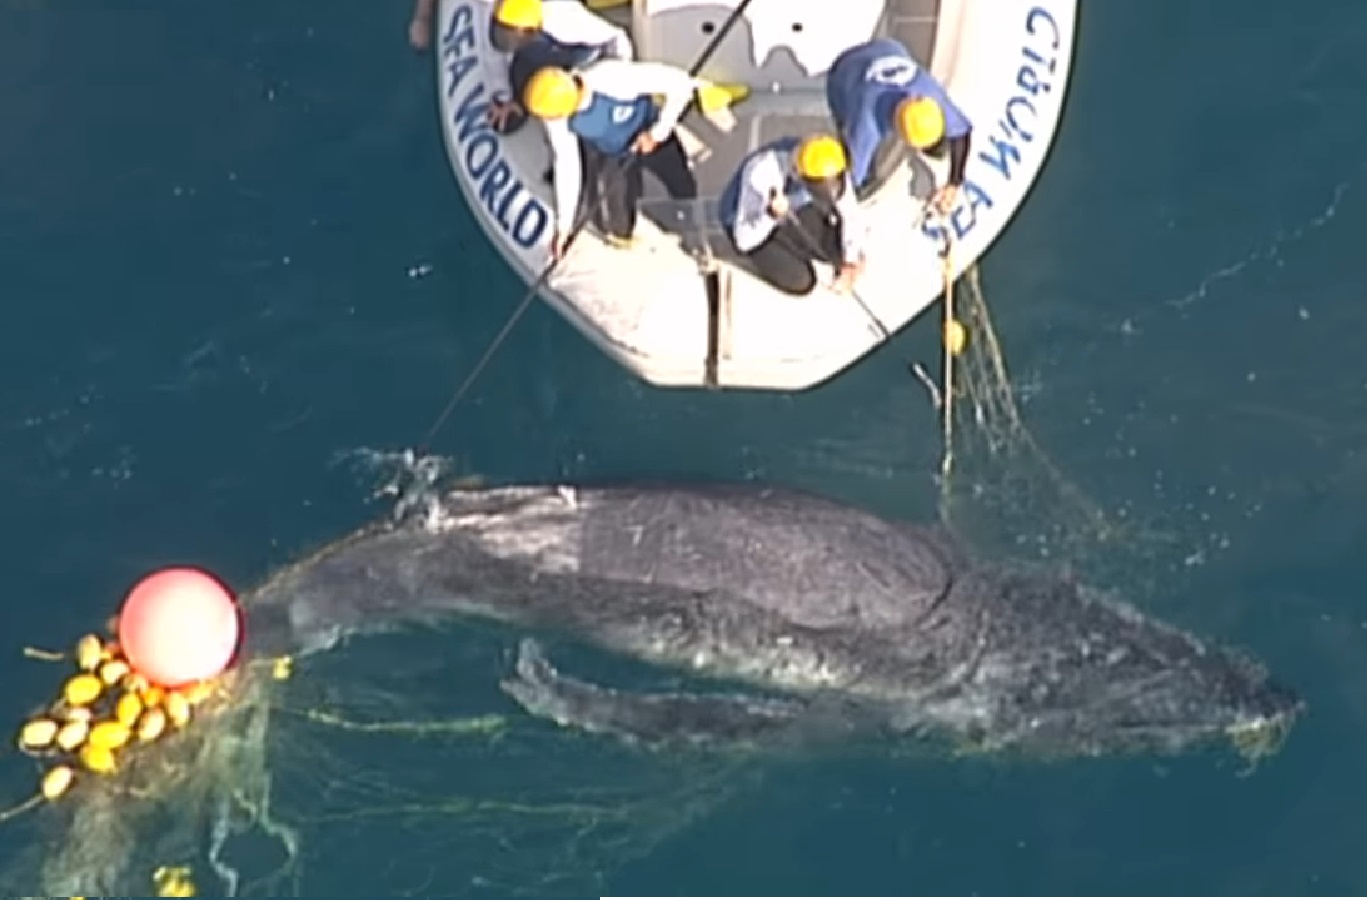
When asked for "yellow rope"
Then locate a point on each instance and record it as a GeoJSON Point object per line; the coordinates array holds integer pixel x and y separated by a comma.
{"type": "Point", "coordinates": [947, 388]}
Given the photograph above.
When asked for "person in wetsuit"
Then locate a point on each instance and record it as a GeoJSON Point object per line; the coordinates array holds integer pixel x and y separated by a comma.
{"type": "Point", "coordinates": [533, 34]}
{"type": "Point", "coordinates": [791, 203]}
{"type": "Point", "coordinates": [596, 118]}
{"type": "Point", "coordinates": [529, 35]}
{"type": "Point", "coordinates": [875, 91]}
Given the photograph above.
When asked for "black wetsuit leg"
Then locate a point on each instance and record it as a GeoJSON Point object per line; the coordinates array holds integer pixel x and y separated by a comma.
{"type": "Point", "coordinates": [819, 231]}
{"type": "Point", "coordinates": [623, 183]}
{"type": "Point", "coordinates": [669, 163]}
{"type": "Point", "coordinates": [783, 266]}
{"type": "Point", "coordinates": [600, 189]}
{"type": "Point", "coordinates": [785, 258]}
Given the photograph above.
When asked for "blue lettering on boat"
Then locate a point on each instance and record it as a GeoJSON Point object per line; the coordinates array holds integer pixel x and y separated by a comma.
{"type": "Point", "coordinates": [998, 150]}
{"type": "Point", "coordinates": [515, 209]}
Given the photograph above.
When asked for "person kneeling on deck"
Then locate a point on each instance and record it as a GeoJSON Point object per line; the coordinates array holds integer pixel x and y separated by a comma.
{"type": "Point", "coordinates": [532, 34]}
{"type": "Point", "coordinates": [611, 110]}
{"type": "Point", "coordinates": [876, 89]}
{"type": "Point", "coordinates": [790, 204]}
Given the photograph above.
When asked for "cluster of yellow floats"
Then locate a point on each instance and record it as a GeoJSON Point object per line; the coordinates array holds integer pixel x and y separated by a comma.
{"type": "Point", "coordinates": [175, 636]}
{"type": "Point", "coordinates": [105, 709]}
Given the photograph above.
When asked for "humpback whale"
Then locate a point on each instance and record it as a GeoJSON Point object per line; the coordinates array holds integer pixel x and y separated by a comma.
{"type": "Point", "coordinates": [810, 617]}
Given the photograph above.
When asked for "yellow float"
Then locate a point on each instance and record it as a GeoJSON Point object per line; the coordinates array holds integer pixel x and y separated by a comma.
{"type": "Point", "coordinates": [165, 655]}
{"type": "Point", "coordinates": [104, 709]}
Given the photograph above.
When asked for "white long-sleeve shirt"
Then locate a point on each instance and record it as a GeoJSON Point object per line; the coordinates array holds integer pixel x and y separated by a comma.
{"type": "Point", "coordinates": [769, 171]}
{"type": "Point", "coordinates": [615, 92]}
{"type": "Point", "coordinates": [567, 22]}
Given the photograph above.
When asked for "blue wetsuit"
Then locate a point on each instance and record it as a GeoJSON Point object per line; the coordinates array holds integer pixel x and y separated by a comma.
{"type": "Point", "coordinates": [863, 89]}
{"type": "Point", "coordinates": [610, 124]}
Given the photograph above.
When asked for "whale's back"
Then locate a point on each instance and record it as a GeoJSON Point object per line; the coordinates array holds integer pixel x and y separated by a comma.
{"type": "Point", "coordinates": [816, 562]}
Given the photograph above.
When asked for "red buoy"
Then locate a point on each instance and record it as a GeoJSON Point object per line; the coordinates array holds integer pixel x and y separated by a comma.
{"type": "Point", "coordinates": [179, 626]}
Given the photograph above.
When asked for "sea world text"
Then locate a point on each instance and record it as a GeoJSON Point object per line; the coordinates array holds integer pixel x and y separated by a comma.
{"type": "Point", "coordinates": [477, 148]}
{"type": "Point", "coordinates": [997, 148]}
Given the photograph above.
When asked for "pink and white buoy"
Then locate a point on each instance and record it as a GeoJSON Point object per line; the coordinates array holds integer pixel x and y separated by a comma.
{"type": "Point", "coordinates": [179, 626]}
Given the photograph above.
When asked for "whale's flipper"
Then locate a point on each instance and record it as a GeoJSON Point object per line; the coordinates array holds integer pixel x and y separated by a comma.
{"type": "Point", "coordinates": [730, 720]}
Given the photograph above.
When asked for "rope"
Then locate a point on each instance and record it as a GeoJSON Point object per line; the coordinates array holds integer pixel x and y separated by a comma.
{"type": "Point", "coordinates": [581, 220]}
{"type": "Point", "coordinates": [947, 341]}
{"type": "Point", "coordinates": [951, 335]}
{"type": "Point", "coordinates": [15, 811]}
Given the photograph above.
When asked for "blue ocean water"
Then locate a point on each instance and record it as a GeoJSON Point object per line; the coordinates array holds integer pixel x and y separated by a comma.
{"type": "Point", "coordinates": [234, 259]}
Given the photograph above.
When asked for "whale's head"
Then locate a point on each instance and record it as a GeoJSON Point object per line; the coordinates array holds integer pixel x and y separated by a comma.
{"type": "Point", "coordinates": [1080, 673]}
{"type": "Point", "coordinates": [1215, 695]}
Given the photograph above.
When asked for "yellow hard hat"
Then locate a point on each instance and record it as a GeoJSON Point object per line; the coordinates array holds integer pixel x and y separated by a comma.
{"type": "Point", "coordinates": [519, 13]}
{"type": "Point", "coordinates": [921, 122]}
{"type": "Point", "coordinates": [551, 93]}
{"type": "Point", "coordinates": [819, 157]}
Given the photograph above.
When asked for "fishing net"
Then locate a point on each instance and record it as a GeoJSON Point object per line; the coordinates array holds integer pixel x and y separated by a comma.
{"type": "Point", "coordinates": [390, 765]}
{"type": "Point", "coordinates": [1000, 489]}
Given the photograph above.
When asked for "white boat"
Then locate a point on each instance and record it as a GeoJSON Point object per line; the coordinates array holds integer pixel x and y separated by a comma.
{"type": "Point", "coordinates": [679, 308]}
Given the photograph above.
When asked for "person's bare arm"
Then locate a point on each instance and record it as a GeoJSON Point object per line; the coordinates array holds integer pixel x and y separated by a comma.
{"type": "Point", "coordinates": [420, 25]}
